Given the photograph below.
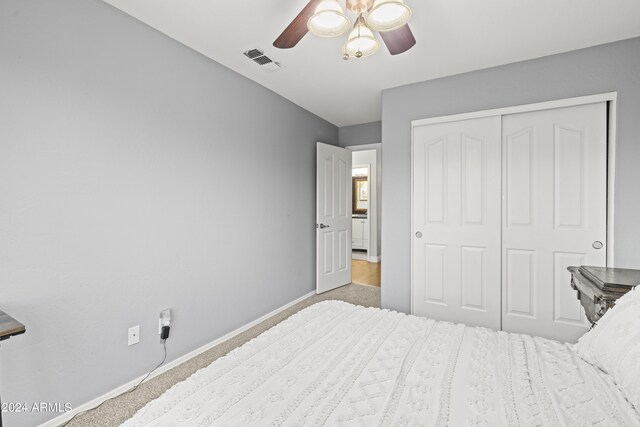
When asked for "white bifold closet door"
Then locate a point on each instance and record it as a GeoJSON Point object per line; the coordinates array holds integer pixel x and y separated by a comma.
{"type": "Point", "coordinates": [501, 206]}
{"type": "Point", "coordinates": [554, 215]}
{"type": "Point", "coordinates": [456, 216]}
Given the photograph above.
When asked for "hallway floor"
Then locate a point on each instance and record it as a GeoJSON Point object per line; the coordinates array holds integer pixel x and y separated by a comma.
{"type": "Point", "coordinates": [365, 273]}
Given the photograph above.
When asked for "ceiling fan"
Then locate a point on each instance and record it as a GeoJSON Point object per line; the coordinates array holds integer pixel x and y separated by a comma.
{"type": "Point", "coordinates": [326, 18]}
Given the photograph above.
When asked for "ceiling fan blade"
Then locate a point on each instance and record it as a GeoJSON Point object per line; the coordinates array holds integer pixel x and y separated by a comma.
{"type": "Point", "coordinates": [297, 29]}
{"type": "Point", "coordinates": [400, 40]}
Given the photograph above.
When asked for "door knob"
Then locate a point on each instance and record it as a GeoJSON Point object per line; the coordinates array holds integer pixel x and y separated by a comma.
{"type": "Point", "coordinates": [418, 234]}
{"type": "Point", "coordinates": [324, 226]}
{"type": "Point", "coordinates": [597, 244]}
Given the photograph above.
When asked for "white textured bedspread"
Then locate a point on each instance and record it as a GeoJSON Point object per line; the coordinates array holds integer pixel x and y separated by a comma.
{"type": "Point", "coordinates": [339, 364]}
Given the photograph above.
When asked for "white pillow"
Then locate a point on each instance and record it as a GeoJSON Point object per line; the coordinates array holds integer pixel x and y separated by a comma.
{"type": "Point", "coordinates": [613, 345]}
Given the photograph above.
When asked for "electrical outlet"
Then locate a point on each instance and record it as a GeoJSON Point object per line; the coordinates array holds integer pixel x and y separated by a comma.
{"type": "Point", "coordinates": [134, 335]}
{"type": "Point", "coordinates": [165, 319]}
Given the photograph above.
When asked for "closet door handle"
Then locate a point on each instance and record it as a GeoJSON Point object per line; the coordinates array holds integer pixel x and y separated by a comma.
{"type": "Point", "coordinates": [597, 245]}
{"type": "Point", "coordinates": [324, 226]}
{"type": "Point", "coordinates": [418, 234]}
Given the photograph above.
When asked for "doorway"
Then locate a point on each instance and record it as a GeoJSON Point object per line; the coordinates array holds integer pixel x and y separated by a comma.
{"type": "Point", "coordinates": [365, 231]}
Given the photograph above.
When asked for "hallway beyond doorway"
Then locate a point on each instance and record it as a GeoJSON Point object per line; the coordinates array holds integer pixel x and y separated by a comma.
{"type": "Point", "coordinates": [365, 273]}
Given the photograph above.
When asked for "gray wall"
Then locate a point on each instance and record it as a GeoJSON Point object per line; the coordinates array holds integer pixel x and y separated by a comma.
{"type": "Point", "coordinates": [606, 68]}
{"type": "Point", "coordinates": [137, 175]}
{"type": "Point", "coordinates": [366, 133]}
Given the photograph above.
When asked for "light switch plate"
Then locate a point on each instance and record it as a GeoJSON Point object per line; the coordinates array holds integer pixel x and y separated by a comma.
{"type": "Point", "coordinates": [134, 335]}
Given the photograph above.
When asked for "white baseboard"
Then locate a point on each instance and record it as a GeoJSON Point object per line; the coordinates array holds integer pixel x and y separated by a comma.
{"type": "Point", "coordinates": [164, 368]}
{"type": "Point", "coordinates": [375, 259]}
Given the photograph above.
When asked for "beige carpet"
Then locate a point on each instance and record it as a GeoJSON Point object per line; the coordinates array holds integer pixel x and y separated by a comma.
{"type": "Point", "coordinates": [116, 411]}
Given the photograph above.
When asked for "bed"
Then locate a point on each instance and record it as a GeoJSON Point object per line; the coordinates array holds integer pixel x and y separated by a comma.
{"type": "Point", "coordinates": [339, 364]}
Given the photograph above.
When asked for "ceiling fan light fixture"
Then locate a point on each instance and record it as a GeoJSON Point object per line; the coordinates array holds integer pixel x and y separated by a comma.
{"type": "Point", "coordinates": [388, 15]}
{"type": "Point", "coordinates": [328, 20]}
{"type": "Point", "coordinates": [359, 6]}
{"type": "Point", "coordinates": [361, 41]}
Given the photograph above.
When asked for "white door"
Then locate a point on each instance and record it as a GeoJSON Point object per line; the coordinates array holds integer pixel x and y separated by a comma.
{"type": "Point", "coordinates": [456, 221]}
{"type": "Point", "coordinates": [554, 215]}
{"type": "Point", "coordinates": [333, 217]}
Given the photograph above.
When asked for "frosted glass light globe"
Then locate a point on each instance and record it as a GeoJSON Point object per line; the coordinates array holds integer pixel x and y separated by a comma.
{"type": "Point", "coordinates": [361, 41]}
{"type": "Point", "coordinates": [388, 15]}
{"type": "Point", "coordinates": [328, 20]}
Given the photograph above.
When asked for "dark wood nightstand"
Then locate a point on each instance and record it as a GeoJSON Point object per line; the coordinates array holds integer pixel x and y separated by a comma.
{"type": "Point", "coordinates": [9, 327]}
{"type": "Point", "coordinates": [599, 287]}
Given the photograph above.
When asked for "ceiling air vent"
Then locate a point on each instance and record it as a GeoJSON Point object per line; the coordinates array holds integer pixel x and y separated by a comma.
{"type": "Point", "coordinates": [258, 56]}
{"type": "Point", "coordinates": [253, 53]}
{"type": "Point", "coordinates": [262, 60]}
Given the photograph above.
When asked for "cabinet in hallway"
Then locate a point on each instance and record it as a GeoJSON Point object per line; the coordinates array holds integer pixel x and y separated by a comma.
{"type": "Point", "coordinates": [360, 233]}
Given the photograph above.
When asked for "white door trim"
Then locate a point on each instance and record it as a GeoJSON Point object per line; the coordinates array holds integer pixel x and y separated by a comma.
{"type": "Point", "coordinates": [364, 147]}
{"type": "Point", "coordinates": [547, 105]}
{"type": "Point", "coordinates": [612, 142]}
{"type": "Point", "coordinates": [610, 98]}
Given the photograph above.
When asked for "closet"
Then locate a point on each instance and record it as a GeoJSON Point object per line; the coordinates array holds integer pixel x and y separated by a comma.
{"type": "Point", "coordinates": [501, 205]}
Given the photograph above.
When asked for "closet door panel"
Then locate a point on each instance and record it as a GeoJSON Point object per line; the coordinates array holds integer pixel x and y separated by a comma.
{"type": "Point", "coordinates": [436, 180]}
{"type": "Point", "coordinates": [521, 283]}
{"type": "Point", "coordinates": [519, 152]}
{"type": "Point", "coordinates": [456, 217]}
{"type": "Point", "coordinates": [435, 271]}
{"type": "Point", "coordinates": [564, 308]}
{"type": "Point", "coordinates": [474, 280]}
{"type": "Point", "coordinates": [473, 181]}
{"type": "Point", "coordinates": [555, 209]}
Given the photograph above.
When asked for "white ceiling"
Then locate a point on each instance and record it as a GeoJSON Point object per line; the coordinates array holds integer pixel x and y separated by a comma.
{"type": "Point", "coordinates": [453, 36]}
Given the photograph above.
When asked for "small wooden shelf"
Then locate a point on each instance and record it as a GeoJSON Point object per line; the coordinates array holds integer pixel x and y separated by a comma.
{"type": "Point", "coordinates": [9, 326]}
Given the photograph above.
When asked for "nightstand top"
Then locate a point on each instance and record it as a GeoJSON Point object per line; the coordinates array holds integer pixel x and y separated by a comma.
{"type": "Point", "coordinates": [9, 326]}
